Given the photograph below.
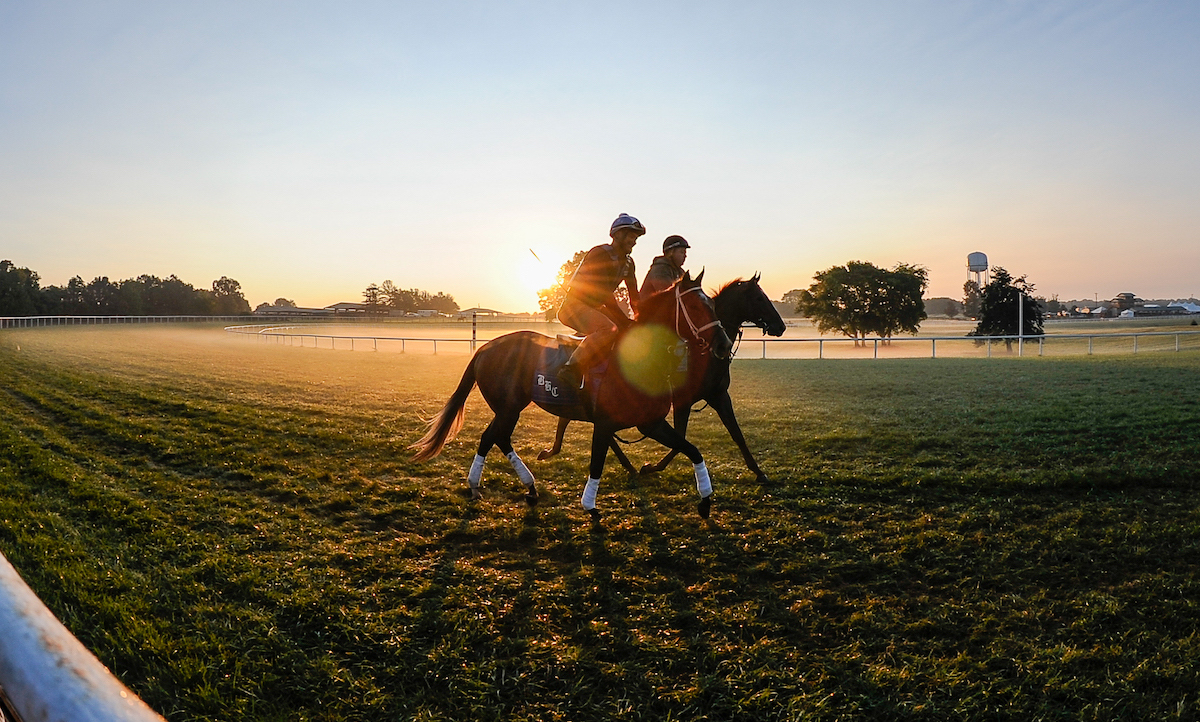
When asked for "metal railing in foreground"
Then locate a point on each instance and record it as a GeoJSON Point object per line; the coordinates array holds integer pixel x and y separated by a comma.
{"type": "Point", "coordinates": [46, 673]}
{"type": "Point", "coordinates": [814, 348]}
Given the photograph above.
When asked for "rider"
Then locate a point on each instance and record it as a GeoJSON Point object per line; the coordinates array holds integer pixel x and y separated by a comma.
{"type": "Point", "coordinates": [591, 306]}
{"type": "Point", "coordinates": [667, 268]}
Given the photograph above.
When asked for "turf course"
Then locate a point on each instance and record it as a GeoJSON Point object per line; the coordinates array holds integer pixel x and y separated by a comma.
{"type": "Point", "coordinates": [235, 530]}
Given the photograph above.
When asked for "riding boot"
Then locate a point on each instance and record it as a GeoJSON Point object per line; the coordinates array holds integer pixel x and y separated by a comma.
{"type": "Point", "coordinates": [575, 369]}
{"type": "Point", "coordinates": [572, 372]}
{"type": "Point", "coordinates": [569, 375]}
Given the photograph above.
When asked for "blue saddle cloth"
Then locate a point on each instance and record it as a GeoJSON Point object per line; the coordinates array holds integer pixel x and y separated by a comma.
{"type": "Point", "coordinates": [548, 390]}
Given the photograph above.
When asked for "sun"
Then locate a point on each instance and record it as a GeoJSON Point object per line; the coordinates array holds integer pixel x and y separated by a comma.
{"type": "Point", "coordinates": [535, 275]}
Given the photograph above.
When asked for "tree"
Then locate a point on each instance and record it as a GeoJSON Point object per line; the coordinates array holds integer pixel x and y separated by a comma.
{"type": "Point", "coordinates": [227, 297]}
{"type": "Point", "coordinates": [373, 298]}
{"type": "Point", "coordinates": [440, 302]}
{"type": "Point", "coordinates": [284, 303]}
{"type": "Point", "coordinates": [19, 291]}
{"type": "Point", "coordinates": [792, 297]}
{"type": "Point", "coordinates": [942, 306]}
{"type": "Point", "coordinates": [550, 299]}
{"type": "Point", "coordinates": [392, 297]}
{"type": "Point", "coordinates": [860, 299]}
{"type": "Point", "coordinates": [971, 298]}
{"type": "Point", "coordinates": [100, 296]}
{"type": "Point", "coordinates": [999, 312]}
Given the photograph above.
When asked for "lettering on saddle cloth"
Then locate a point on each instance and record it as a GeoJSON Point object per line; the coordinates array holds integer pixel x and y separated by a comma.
{"type": "Point", "coordinates": [548, 390]}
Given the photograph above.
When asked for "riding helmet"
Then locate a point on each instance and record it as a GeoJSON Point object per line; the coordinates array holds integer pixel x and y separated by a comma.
{"type": "Point", "coordinates": [626, 221]}
{"type": "Point", "coordinates": [673, 242]}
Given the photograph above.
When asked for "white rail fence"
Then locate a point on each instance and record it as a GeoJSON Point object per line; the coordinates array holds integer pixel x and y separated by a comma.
{"type": "Point", "coordinates": [750, 347]}
{"type": "Point", "coordinates": [40, 321]}
{"type": "Point", "coordinates": [46, 673]}
{"type": "Point", "coordinates": [818, 348]}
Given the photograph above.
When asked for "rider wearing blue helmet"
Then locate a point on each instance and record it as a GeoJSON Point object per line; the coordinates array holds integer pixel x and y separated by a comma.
{"type": "Point", "coordinates": [590, 306]}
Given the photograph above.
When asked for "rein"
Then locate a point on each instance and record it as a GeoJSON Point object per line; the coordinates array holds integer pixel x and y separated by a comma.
{"type": "Point", "coordinates": [679, 306]}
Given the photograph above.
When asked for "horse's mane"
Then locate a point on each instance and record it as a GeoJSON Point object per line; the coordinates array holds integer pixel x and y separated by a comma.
{"type": "Point", "coordinates": [667, 295]}
{"type": "Point", "coordinates": [727, 286]}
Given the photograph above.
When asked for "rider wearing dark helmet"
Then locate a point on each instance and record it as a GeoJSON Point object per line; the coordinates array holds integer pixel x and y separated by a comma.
{"type": "Point", "coordinates": [591, 306]}
{"type": "Point", "coordinates": [667, 268]}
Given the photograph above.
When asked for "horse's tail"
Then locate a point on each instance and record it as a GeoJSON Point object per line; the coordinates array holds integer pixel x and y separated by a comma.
{"type": "Point", "coordinates": [445, 426]}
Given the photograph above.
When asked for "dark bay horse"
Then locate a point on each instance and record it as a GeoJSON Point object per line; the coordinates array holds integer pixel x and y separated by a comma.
{"type": "Point", "coordinates": [737, 303]}
{"type": "Point", "coordinates": [634, 391]}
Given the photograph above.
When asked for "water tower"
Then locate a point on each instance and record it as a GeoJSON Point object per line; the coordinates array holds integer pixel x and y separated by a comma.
{"type": "Point", "coordinates": [977, 265]}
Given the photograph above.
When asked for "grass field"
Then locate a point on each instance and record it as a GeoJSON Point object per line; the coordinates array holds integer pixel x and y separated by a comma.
{"type": "Point", "coordinates": [235, 530]}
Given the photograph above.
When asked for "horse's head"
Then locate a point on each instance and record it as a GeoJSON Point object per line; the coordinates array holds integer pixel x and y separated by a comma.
{"type": "Point", "coordinates": [696, 317]}
{"type": "Point", "coordinates": [741, 301]}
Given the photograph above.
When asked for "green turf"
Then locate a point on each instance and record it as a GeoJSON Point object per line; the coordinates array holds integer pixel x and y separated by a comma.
{"type": "Point", "coordinates": [235, 530]}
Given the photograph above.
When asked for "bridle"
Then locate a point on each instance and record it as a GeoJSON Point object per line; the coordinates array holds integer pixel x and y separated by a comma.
{"type": "Point", "coordinates": [680, 308]}
{"type": "Point", "coordinates": [760, 322]}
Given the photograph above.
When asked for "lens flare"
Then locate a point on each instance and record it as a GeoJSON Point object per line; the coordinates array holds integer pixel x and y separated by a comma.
{"type": "Point", "coordinates": [651, 358]}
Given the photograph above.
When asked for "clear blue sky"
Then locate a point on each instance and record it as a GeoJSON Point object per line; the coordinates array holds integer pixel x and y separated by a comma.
{"type": "Point", "coordinates": [309, 149]}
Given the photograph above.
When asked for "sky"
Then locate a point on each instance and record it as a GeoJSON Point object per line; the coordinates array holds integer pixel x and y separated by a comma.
{"type": "Point", "coordinates": [308, 149]}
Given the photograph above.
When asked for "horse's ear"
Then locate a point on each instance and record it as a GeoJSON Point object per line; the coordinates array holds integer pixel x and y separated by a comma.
{"type": "Point", "coordinates": [700, 278]}
{"type": "Point", "coordinates": [755, 278]}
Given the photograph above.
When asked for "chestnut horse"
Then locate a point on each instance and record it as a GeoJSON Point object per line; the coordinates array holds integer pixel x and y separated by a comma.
{"type": "Point", "coordinates": [634, 391]}
{"type": "Point", "coordinates": [738, 302]}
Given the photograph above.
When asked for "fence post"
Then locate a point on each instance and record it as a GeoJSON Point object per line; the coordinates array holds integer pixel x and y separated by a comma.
{"type": "Point", "coordinates": [876, 348]}
{"type": "Point", "coordinates": [934, 354]}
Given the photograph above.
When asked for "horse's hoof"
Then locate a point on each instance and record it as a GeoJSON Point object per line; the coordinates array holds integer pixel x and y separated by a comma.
{"type": "Point", "coordinates": [595, 514]}
{"type": "Point", "coordinates": [476, 495]}
{"type": "Point", "coordinates": [649, 469]}
{"type": "Point", "coordinates": [762, 478]}
{"type": "Point", "coordinates": [546, 454]}
{"type": "Point", "coordinates": [531, 497]}
{"type": "Point", "coordinates": [705, 506]}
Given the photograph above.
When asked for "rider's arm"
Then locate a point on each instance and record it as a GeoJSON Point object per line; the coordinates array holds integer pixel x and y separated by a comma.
{"type": "Point", "coordinates": [632, 287]}
{"type": "Point", "coordinates": [613, 310]}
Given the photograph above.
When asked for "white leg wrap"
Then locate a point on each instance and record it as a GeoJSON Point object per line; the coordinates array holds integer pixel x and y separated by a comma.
{"type": "Point", "coordinates": [589, 494]}
{"type": "Point", "coordinates": [475, 475]}
{"type": "Point", "coordinates": [703, 482]}
{"type": "Point", "coordinates": [518, 466]}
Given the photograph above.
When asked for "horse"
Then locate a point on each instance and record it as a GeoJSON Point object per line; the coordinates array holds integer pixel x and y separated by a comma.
{"type": "Point", "coordinates": [737, 303]}
{"type": "Point", "coordinates": [634, 390]}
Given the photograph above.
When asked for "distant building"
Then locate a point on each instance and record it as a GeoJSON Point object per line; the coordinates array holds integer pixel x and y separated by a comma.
{"type": "Point", "coordinates": [1153, 310]}
{"type": "Point", "coordinates": [1125, 301]}
{"type": "Point", "coordinates": [265, 309]}
{"type": "Point", "coordinates": [477, 311]}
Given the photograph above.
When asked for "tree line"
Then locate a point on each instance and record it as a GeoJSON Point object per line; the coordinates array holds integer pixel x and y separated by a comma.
{"type": "Point", "coordinates": [21, 294]}
{"type": "Point", "coordinates": [388, 295]}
